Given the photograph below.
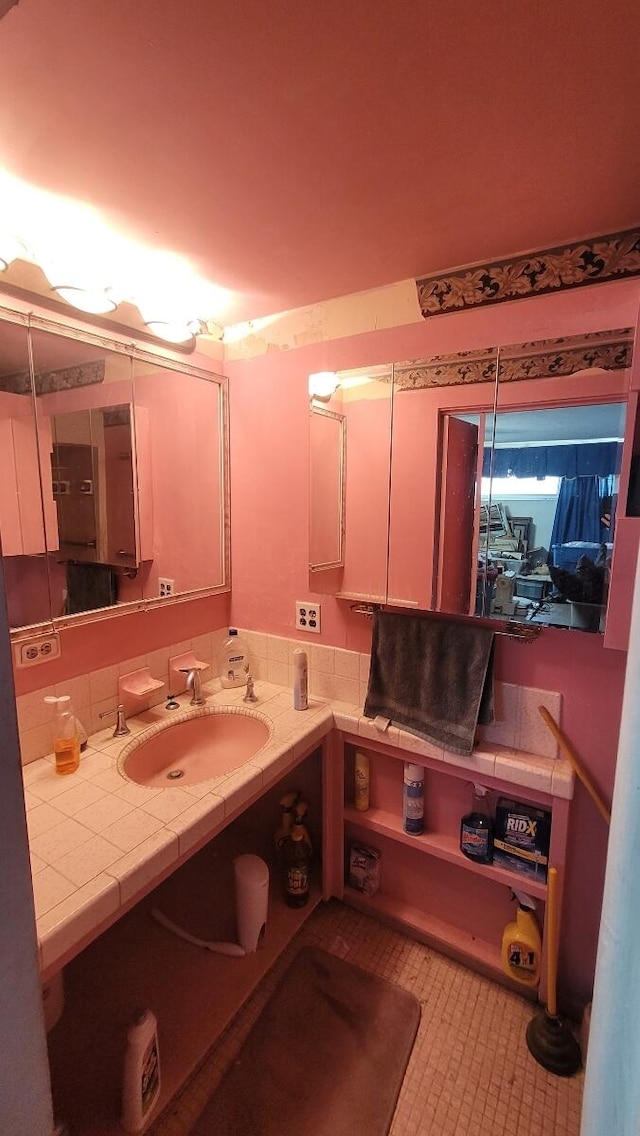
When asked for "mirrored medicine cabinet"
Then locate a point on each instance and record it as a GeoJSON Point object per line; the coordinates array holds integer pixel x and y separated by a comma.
{"type": "Point", "coordinates": [478, 483]}
{"type": "Point", "coordinates": [114, 463]}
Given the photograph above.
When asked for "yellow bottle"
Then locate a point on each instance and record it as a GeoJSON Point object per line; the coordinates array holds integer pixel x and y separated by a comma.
{"type": "Point", "coordinates": [521, 944]}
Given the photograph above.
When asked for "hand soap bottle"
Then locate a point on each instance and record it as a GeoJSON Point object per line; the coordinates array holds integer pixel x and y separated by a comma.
{"type": "Point", "coordinates": [66, 742]}
{"type": "Point", "coordinates": [233, 660]}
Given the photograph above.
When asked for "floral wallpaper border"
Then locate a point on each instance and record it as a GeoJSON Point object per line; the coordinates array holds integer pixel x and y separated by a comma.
{"type": "Point", "coordinates": [609, 350]}
{"type": "Point", "coordinates": [591, 261]}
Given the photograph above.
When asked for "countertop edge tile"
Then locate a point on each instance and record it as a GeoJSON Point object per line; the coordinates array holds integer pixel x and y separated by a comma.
{"type": "Point", "coordinates": [292, 735]}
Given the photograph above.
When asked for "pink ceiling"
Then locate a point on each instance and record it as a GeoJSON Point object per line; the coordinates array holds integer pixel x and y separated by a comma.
{"type": "Point", "coordinates": [297, 151]}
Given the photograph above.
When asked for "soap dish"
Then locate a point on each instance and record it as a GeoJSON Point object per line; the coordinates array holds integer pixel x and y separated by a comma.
{"type": "Point", "coordinates": [139, 683]}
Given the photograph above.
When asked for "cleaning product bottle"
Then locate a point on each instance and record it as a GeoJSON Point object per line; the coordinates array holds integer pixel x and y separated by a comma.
{"type": "Point", "coordinates": [297, 862]}
{"type": "Point", "coordinates": [233, 660]}
{"type": "Point", "coordinates": [476, 829]}
{"type": "Point", "coordinates": [141, 1073]}
{"type": "Point", "coordinates": [300, 680]}
{"type": "Point", "coordinates": [413, 798]}
{"type": "Point", "coordinates": [66, 743]}
{"type": "Point", "coordinates": [521, 943]}
{"type": "Point", "coordinates": [287, 801]}
{"type": "Point", "coordinates": [361, 781]}
{"type": "Point", "coordinates": [300, 810]}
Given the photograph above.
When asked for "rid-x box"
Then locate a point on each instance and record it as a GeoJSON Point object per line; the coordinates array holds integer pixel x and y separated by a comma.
{"type": "Point", "coordinates": [521, 838]}
{"type": "Point", "coordinates": [364, 868]}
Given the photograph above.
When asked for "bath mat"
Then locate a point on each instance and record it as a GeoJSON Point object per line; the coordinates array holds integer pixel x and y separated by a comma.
{"type": "Point", "coordinates": [326, 1056]}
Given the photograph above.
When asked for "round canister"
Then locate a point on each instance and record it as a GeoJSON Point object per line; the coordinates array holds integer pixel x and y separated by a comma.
{"type": "Point", "coordinates": [252, 899]}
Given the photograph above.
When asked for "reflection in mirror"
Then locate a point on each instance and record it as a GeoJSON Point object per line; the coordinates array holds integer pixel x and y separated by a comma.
{"type": "Point", "coordinates": [547, 518]}
{"type": "Point", "coordinates": [423, 572]}
{"type": "Point", "coordinates": [84, 398]}
{"type": "Point", "coordinates": [362, 401]}
{"type": "Point", "coordinates": [182, 502]}
{"type": "Point", "coordinates": [550, 484]}
{"type": "Point", "coordinates": [23, 451]}
{"type": "Point", "coordinates": [114, 492]}
{"type": "Point", "coordinates": [326, 488]}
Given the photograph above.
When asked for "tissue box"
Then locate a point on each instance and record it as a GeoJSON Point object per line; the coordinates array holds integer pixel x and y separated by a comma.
{"type": "Point", "coordinates": [521, 835]}
{"type": "Point", "coordinates": [364, 868]}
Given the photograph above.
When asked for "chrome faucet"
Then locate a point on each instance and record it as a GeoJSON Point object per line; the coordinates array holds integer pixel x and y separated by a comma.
{"type": "Point", "coordinates": [250, 694]}
{"type": "Point", "coordinates": [194, 683]}
{"type": "Point", "coordinates": [122, 728]}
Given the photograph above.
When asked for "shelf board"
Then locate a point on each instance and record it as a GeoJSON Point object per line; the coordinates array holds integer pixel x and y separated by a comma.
{"type": "Point", "coordinates": [444, 937]}
{"type": "Point", "coordinates": [193, 992]}
{"type": "Point", "coordinates": [442, 847]}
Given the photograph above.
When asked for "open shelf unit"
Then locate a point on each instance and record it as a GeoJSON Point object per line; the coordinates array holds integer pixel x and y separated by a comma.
{"type": "Point", "coordinates": [428, 888]}
{"type": "Point", "coordinates": [193, 992]}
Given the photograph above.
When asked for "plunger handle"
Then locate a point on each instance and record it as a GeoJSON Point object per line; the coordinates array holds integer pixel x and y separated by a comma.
{"type": "Point", "coordinates": [574, 760]}
{"type": "Point", "coordinates": [552, 942]}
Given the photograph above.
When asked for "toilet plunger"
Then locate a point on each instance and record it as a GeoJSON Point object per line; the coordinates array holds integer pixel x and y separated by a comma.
{"type": "Point", "coordinates": [549, 1039]}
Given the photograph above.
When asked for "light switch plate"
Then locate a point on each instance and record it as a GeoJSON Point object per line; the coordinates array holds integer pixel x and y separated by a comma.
{"type": "Point", "coordinates": [308, 616]}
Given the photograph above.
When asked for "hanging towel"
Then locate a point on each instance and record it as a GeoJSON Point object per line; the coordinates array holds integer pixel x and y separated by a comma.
{"type": "Point", "coordinates": [432, 676]}
{"type": "Point", "coordinates": [90, 587]}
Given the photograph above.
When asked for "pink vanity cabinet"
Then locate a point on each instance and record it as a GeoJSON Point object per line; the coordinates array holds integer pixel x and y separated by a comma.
{"type": "Point", "coordinates": [428, 888]}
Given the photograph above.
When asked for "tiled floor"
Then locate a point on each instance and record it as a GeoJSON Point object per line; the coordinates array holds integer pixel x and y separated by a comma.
{"type": "Point", "coordinates": [470, 1069]}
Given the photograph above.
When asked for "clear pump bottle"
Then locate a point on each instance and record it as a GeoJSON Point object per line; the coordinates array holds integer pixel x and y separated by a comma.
{"type": "Point", "coordinates": [66, 741]}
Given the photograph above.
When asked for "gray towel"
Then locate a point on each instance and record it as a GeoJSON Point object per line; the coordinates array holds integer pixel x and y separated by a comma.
{"type": "Point", "coordinates": [432, 675]}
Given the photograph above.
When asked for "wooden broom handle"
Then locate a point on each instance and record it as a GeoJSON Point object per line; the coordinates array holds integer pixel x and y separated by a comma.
{"type": "Point", "coordinates": [574, 760]}
{"type": "Point", "coordinates": [552, 942]}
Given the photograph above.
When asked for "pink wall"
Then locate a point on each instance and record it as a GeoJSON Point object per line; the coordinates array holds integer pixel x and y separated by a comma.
{"type": "Point", "coordinates": [269, 407]}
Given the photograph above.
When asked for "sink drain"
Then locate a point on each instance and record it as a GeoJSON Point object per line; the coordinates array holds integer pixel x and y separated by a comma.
{"type": "Point", "coordinates": [175, 774]}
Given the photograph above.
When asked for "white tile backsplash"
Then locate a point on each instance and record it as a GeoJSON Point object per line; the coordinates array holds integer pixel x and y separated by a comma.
{"type": "Point", "coordinates": [335, 673]}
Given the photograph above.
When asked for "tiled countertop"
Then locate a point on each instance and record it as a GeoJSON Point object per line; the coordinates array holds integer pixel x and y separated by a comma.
{"type": "Point", "coordinates": [98, 841]}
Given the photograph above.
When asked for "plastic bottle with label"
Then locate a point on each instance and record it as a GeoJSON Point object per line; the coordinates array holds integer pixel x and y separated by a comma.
{"type": "Point", "coordinates": [141, 1074]}
{"type": "Point", "coordinates": [361, 781]}
{"type": "Point", "coordinates": [233, 660]}
{"type": "Point", "coordinates": [66, 741]}
{"type": "Point", "coordinates": [297, 862]}
{"type": "Point", "coordinates": [476, 829]}
{"type": "Point", "coordinates": [300, 680]}
{"type": "Point", "coordinates": [522, 944]}
{"type": "Point", "coordinates": [413, 798]}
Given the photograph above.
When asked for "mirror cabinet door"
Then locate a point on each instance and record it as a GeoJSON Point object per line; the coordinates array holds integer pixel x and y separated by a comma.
{"type": "Point", "coordinates": [181, 491]}
{"type": "Point", "coordinates": [434, 478]}
{"type": "Point", "coordinates": [24, 508]}
{"type": "Point", "coordinates": [84, 398]}
{"type": "Point", "coordinates": [550, 482]}
{"type": "Point", "coordinates": [363, 403]}
{"type": "Point", "coordinates": [326, 488]}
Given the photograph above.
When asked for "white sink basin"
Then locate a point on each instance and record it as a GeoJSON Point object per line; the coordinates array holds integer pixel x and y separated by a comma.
{"type": "Point", "coordinates": [197, 746]}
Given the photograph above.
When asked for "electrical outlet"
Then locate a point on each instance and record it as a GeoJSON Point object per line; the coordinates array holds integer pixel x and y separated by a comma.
{"type": "Point", "coordinates": [28, 652]}
{"type": "Point", "coordinates": [307, 616]}
{"type": "Point", "coordinates": [166, 586]}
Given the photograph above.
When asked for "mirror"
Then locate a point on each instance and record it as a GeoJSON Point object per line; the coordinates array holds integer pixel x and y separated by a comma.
{"type": "Point", "coordinates": [181, 480]}
{"type": "Point", "coordinates": [326, 488]}
{"type": "Point", "coordinates": [119, 477]}
{"type": "Point", "coordinates": [458, 422]}
{"type": "Point", "coordinates": [351, 518]}
{"type": "Point", "coordinates": [23, 451]}
{"type": "Point", "coordinates": [550, 481]}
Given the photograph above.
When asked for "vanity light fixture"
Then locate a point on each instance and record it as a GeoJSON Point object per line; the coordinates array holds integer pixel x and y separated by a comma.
{"type": "Point", "coordinates": [94, 301]}
{"type": "Point", "coordinates": [175, 331]}
{"type": "Point", "coordinates": [323, 384]}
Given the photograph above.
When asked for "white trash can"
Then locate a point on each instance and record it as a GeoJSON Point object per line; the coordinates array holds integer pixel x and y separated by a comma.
{"type": "Point", "coordinates": [252, 899]}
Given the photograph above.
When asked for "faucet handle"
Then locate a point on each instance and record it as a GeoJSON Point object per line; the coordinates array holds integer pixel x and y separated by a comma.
{"type": "Point", "coordinates": [122, 728]}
